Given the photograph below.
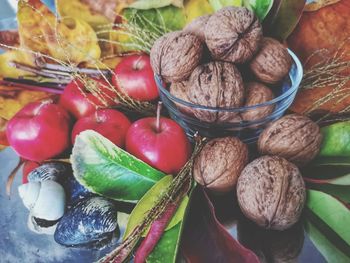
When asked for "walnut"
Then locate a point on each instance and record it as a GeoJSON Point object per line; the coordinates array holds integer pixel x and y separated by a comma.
{"type": "Point", "coordinates": [219, 164]}
{"type": "Point", "coordinates": [294, 137]}
{"type": "Point", "coordinates": [175, 55]}
{"type": "Point", "coordinates": [216, 84]}
{"type": "Point", "coordinates": [197, 26]}
{"type": "Point", "coordinates": [272, 63]}
{"type": "Point", "coordinates": [271, 192]}
{"type": "Point", "coordinates": [178, 90]}
{"type": "Point", "coordinates": [233, 34]}
{"type": "Point", "coordinates": [257, 93]}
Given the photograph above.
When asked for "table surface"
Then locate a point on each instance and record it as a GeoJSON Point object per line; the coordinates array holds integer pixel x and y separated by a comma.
{"type": "Point", "coordinates": [19, 244]}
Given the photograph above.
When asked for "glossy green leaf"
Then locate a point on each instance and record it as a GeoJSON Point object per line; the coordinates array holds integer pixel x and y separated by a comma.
{"type": "Point", "coordinates": [108, 170]}
{"type": "Point", "coordinates": [148, 4]}
{"type": "Point", "coordinates": [148, 201]}
{"type": "Point", "coordinates": [336, 140]}
{"type": "Point", "coordinates": [167, 247]}
{"type": "Point", "coordinates": [324, 245]}
{"type": "Point", "coordinates": [260, 7]}
{"type": "Point", "coordinates": [218, 4]}
{"type": "Point", "coordinates": [330, 211]}
{"type": "Point", "coordinates": [283, 18]}
{"type": "Point", "coordinates": [339, 191]}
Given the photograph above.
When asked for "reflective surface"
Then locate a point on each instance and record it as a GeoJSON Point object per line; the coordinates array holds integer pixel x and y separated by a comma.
{"type": "Point", "coordinates": [19, 244]}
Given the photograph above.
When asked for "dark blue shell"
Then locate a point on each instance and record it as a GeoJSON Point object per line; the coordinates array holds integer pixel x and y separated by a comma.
{"type": "Point", "coordinates": [90, 221]}
{"type": "Point", "coordinates": [75, 191]}
{"type": "Point", "coordinates": [56, 171]}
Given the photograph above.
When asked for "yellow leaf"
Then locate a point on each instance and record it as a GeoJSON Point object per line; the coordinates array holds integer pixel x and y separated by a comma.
{"type": "Point", "coordinates": [6, 70]}
{"type": "Point", "coordinates": [69, 39]}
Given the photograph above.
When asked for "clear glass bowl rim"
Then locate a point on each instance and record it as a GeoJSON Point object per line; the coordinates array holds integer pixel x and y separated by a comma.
{"type": "Point", "coordinates": [295, 82]}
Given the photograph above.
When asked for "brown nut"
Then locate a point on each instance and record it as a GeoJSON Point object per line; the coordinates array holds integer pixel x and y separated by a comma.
{"type": "Point", "coordinates": [271, 192]}
{"type": "Point", "coordinates": [197, 26]}
{"type": "Point", "coordinates": [219, 164]}
{"type": "Point", "coordinates": [294, 137]}
{"type": "Point", "coordinates": [272, 63]}
{"type": "Point", "coordinates": [178, 90]}
{"type": "Point", "coordinates": [216, 84]}
{"type": "Point", "coordinates": [233, 34]}
{"type": "Point", "coordinates": [175, 55]}
{"type": "Point", "coordinates": [257, 93]}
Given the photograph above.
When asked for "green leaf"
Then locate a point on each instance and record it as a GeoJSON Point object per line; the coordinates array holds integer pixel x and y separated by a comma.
{"type": "Point", "coordinates": [336, 140]}
{"type": "Point", "coordinates": [332, 212]}
{"type": "Point", "coordinates": [148, 4]}
{"type": "Point", "coordinates": [218, 4]}
{"type": "Point", "coordinates": [148, 201]}
{"type": "Point", "coordinates": [325, 246]}
{"type": "Point", "coordinates": [108, 170]}
{"type": "Point", "coordinates": [260, 7]}
{"type": "Point", "coordinates": [166, 248]}
{"type": "Point", "coordinates": [341, 180]}
{"type": "Point", "coordinates": [283, 18]}
{"type": "Point", "coordinates": [339, 191]}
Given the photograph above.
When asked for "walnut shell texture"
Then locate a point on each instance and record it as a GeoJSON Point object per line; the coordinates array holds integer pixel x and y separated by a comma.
{"type": "Point", "coordinates": [294, 137]}
{"type": "Point", "coordinates": [271, 192]}
{"type": "Point", "coordinates": [197, 26]}
{"type": "Point", "coordinates": [175, 55]}
{"type": "Point", "coordinates": [257, 93]}
{"type": "Point", "coordinates": [178, 90]}
{"type": "Point", "coordinates": [272, 63]}
{"type": "Point", "coordinates": [219, 164]}
{"type": "Point", "coordinates": [233, 34]}
{"type": "Point", "coordinates": [216, 84]}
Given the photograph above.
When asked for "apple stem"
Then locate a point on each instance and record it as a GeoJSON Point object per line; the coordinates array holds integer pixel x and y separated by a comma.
{"type": "Point", "coordinates": [159, 108]}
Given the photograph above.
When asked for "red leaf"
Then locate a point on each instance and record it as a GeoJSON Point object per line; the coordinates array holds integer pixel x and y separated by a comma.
{"type": "Point", "coordinates": [206, 240]}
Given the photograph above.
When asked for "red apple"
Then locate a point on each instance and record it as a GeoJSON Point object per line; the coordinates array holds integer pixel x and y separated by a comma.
{"type": "Point", "coordinates": [134, 76]}
{"type": "Point", "coordinates": [112, 124]}
{"type": "Point", "coordinates": [39, 131]}
{"type": "Point", "coordinates": [28, 166]}
{"type": "Point", "coordinates": [80, 102]}
{"type": "Point", "coordinates": [165, 148]}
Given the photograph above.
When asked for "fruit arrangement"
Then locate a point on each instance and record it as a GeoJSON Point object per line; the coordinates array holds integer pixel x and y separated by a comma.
{"type": "Point", "coordinates": [99, 147]}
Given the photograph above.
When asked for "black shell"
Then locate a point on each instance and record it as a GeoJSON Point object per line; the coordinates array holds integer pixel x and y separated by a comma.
{"type": "Point", "coordinates": [56, 171]}
{"type": "Point", "coordinates": [90, 221]}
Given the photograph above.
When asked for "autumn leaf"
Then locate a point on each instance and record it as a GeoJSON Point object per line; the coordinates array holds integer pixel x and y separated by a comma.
{"type": "Point", "coordinates": [69, 39]}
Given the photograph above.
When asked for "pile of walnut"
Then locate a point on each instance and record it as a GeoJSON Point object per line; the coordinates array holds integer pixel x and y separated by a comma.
{"type": "Point", "coordinates": [270, 189]}
{"type": "Point", "coordinates": [200, 63]}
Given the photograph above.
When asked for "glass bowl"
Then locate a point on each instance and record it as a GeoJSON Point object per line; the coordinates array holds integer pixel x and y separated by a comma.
{"type": "Point", "coordinates": [185, 112]}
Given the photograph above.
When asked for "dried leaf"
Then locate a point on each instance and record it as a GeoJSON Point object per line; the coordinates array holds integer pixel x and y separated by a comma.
{"type": "Point", "coordinates": [6, 70]}
{"type": "Point", "coordinates": [69, 39]}
{"type": "Point", "coordinates": [321, 40]}
{"type": "Point", "coordinates": [3, 138]}
{"type": "Point", "coordinates": [318, 4]}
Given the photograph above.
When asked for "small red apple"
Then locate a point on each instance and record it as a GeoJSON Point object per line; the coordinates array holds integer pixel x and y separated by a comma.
{"type": "Point", "coordinates": [39, 131]}
{"type": "Point", "coordinates": [80, 102]}
{"type": "Point", "coordinates": [134, 76]}
{"type": "Point", "coordinates": [28, 166]}
{"type": "Point", "coordinates": [161, 144]}
{"type": "Point", "coordinates": [112, 124]}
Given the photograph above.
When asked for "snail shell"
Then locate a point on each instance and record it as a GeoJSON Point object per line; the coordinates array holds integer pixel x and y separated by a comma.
{"type": "Point", "coordinates": [56, 171]}
{"type": "Point", "coordinates": [45, 200]}
{"type": "Point", "coordinates": [90, 221]}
